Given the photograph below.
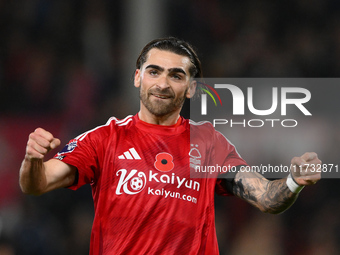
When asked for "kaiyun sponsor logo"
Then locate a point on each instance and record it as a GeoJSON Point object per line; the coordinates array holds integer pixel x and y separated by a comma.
{"type": "Point", "coordinates": [134, 181]}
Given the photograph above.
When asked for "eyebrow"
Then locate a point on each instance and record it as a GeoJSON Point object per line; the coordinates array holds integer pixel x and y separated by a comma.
{"type": "Point", "coordinates": [171, 70]}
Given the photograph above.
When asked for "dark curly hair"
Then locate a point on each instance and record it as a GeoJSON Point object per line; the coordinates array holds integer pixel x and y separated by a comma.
{"type": "Point", "coordinates": [176, 46]}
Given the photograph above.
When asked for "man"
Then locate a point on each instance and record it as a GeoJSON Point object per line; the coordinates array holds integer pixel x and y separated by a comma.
{"type": "Point", "coordinates": [139, 168]}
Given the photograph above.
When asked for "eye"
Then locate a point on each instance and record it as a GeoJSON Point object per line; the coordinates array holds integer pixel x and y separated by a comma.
{"type": "Point", "coordinates": [177, 76]}
{"type": "Point", "coordinates": [153, 72]}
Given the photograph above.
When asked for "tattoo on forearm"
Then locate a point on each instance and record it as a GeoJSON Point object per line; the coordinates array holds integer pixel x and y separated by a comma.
{"type": "Point", "coordinates": [268, 196]}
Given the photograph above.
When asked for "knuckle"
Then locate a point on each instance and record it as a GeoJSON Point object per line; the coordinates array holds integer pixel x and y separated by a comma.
{"type": "Point", "coordinates": [43, 133]}
{"type": "Point", "coordinates": [48, 136]}
{"type": "Point", "coordinates": [30, 146]}
{"type": "Point", "coordinates": [312, 156]}
{"type": "Point", "coordinates": [32, 154]}
{"type": "Point", "coordinates": [294, 160]}
{"type": "Point", "coordinates": [44, 150]}
{"type": "Point", "coordinates": [29, 150]}
{"type": "Point", "coordinates": [39, 130]}
{"type": "Point", "coordinates": [32, 136]}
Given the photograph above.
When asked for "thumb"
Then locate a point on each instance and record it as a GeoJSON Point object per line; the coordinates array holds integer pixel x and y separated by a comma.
{"type": "Point", "coordinates": [54, 143]}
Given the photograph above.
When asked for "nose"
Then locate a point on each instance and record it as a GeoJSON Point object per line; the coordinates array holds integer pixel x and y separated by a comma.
{"type": "Point", "coordinates": [162, 82]}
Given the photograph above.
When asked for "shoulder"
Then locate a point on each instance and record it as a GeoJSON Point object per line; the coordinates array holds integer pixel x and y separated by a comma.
{"type": "Point", "coordinates": [204, 128]}
{"type": "Point", "coordinates": [201, 126]}
{"type": "Point", "coordinates": [107, 129]}
{"type": "Point", "coordinates": [207, 130]}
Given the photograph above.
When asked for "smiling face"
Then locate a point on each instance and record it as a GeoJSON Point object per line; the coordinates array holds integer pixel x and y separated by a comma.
{"type": "Point", "coordinates": [164, 83]}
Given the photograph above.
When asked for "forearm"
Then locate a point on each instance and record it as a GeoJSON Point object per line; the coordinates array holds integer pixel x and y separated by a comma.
{"type": "Point", "coordinates": [269, 196]}
{"type": "Point", "coordinates": [32, 178]}
{"type": "Point", "coordinates": [278, 197]}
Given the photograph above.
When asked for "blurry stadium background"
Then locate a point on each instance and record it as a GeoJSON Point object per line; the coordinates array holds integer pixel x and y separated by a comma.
{"type": "Point", "coordinates": [67, 65]}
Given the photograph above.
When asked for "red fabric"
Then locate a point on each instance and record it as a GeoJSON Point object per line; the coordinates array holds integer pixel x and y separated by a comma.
{"type": "Point", "coordinates": [140, 209]}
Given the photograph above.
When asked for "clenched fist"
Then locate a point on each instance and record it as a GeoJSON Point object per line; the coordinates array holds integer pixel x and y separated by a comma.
{"type": "Point", "coordinates": [306, 170]}
{"type": "Point", "coordinates": [40, 142]}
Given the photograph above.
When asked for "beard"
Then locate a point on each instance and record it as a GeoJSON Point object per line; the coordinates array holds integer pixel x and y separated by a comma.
{"type": "Point", "coordinates": [161, 107]}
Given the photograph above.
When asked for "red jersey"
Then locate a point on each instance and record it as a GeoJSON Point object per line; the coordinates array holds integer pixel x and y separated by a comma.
{"type": "Point", "coordinates": [145, 200]}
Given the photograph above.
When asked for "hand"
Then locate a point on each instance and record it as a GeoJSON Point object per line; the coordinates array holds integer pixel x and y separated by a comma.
{"type": "Point", "coordinates": [40, 142]}
{"type": "Point", "coordinates": [306, 170]}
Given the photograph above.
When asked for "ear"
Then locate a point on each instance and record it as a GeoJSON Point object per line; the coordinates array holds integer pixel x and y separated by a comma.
{"type": "Point", "coordinates": [137, 78]}
{"type": "Point", "coordinates": [192, 89]}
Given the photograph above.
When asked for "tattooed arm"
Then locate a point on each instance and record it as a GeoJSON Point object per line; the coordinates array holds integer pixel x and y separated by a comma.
{"type": "Point", "coordinates": [268, 196]}
{"type": "Point", "coordinates": [275, 196]}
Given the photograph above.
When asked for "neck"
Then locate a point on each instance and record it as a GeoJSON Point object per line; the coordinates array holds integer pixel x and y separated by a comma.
{"type": "Point", "coordinates": [166, 120]}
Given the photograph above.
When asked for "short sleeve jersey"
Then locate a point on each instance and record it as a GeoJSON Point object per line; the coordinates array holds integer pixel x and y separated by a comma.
{"type": "Point", "coordinates": [145, 200]}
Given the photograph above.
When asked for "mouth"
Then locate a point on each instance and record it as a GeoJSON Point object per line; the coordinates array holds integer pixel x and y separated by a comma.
{"type": "Point", "coordinates": [160, 96]}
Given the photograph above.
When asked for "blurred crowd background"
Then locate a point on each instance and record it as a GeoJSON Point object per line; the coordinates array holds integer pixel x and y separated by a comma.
{"type": "Point", "coordinates": [67, 66]}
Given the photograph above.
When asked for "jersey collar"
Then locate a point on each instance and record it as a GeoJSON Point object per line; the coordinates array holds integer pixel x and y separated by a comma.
{"type": "Point", "coordinates": [180, 126]}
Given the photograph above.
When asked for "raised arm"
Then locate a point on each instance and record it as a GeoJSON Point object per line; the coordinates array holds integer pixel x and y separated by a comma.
{"type": "Point", "coordinates": [38, 177]}
{"type": "Point", "coordinates": [278, 195]}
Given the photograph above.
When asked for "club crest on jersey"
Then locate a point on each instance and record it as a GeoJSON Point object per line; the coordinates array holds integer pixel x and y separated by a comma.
{"type": "Point", "coordinates": [195, 156]}
{"type": "Point", "coordinates": [69, 147]}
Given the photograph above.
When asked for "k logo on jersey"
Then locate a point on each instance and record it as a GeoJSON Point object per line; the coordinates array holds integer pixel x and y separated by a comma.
{"type": "Point", "coordinates": [131, 183]}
